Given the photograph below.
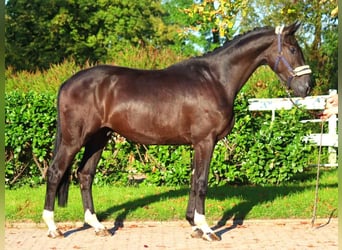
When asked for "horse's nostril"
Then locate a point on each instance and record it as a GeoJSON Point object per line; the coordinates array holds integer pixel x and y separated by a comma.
{"type": "Point", "coordinates": [308, 89]}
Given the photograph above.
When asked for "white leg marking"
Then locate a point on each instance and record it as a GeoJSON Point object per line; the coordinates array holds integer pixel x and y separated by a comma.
{"type": "Point", "coordinates": [48, 218]}
{"type": "Point", "coordinates": [53, 231]}
{"type": "Point", "coordinates": [202, 226]}
{"type": "Point", "coordinates": [92, 220]}
{"type": "Point", "coordinates": [201, 223]}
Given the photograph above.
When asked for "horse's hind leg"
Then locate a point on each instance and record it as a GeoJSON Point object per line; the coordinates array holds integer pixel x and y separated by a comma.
{"type": "Point", "coordinates": [86, 173]}
{"type": "Point", "coordinates": [55, 175]}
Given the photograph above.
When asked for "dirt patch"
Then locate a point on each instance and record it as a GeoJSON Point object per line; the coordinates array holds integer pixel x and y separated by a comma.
{"type": "Point", "coordinates": [254, 234]}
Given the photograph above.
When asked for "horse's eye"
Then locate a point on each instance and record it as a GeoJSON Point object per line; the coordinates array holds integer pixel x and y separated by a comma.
{"type": "Point", "coordinates": [293, 50]}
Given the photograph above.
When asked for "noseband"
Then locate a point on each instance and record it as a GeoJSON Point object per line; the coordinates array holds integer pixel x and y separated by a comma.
{"type": "Point", "coordinates": [298, 71]}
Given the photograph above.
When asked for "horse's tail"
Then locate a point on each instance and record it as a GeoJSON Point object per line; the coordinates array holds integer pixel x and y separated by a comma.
{"type": "Point", "coordinates": [63, 187]}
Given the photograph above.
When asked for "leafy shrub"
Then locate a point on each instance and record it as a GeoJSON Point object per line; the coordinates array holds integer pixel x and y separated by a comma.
{"type": "Point", "coordinates": [257, 151]}
{"type": "Point", "coordinates": [260, 150]}
{"type": "Point", "coordinates": [164, 165]}
{"type": "Point", "coordinates": [277, 152]}
{"type": "Point", "coordinates": [30, 121]}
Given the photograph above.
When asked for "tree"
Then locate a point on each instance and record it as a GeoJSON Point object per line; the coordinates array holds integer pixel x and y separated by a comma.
{"type": "Point", "coordinates": [176, 16]}
{"type": "Point", "coordinates": [27, 35]}
{"type": "Point", "coordinates": [39, 32]}
{"type": "Point", "coordinates": [215, 20]}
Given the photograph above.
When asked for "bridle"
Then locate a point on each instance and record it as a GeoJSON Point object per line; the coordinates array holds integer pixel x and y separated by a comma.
{"type": "Point", "coordinates": [298, 71]}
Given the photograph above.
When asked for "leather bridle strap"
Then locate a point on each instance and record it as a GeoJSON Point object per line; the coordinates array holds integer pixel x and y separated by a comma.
{"type": "Point", "coordinates": [298, 71]}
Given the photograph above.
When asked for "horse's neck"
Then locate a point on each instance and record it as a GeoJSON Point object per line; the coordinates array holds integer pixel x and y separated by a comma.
{"type": "Point", "coordinates": [236, 63]}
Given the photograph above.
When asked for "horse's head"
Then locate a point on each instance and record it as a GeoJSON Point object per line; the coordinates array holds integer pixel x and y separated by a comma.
{"type": "Point", "coordinates": [288, 61]}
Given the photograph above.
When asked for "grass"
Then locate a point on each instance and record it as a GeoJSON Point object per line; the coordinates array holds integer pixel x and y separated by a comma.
{"type": "Point", "coordinates": [293, 200]}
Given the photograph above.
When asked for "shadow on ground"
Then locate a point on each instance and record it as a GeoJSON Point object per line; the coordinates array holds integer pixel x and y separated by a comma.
{"type": "Point", "coordinates": [250, 196]}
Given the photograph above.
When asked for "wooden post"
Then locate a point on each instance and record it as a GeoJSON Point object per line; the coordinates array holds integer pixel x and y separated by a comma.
{"type": "Point", "coordinates": [332, 131]}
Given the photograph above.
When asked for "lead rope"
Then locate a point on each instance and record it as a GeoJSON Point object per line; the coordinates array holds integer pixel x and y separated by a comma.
{"type": "Point", "coordinates": [318, 169]}
{"type": "Point", "coordinates": [317, 185]}
{"type": "Point", "coordinates": [317, 174]}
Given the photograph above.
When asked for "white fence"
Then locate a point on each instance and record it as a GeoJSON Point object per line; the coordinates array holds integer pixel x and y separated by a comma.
{"type": "Point", "coordinates": [329, 139]}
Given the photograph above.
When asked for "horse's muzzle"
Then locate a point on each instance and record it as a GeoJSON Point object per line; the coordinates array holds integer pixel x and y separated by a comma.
{"type": "Point", "coordinates": [301, 85]}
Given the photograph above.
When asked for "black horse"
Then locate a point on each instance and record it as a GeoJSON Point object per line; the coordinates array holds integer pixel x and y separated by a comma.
{"type": "Point", "coordinates": [190, 103]}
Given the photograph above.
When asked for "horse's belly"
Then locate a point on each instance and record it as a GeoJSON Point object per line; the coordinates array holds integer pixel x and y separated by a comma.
{"type": "Point", "coordinates": [151, 128]}
{"type": "Point", "coordinates": [153, 135]}
{"type": "Point", "coordinates": [154, 139]}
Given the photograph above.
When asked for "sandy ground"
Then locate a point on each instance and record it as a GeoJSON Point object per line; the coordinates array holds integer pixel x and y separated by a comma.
{"type": "Point", "coordinates": [250, 234]}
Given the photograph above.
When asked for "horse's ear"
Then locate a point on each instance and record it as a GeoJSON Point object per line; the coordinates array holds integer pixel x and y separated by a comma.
{"type": "Point", "coordinates": [291, 29]}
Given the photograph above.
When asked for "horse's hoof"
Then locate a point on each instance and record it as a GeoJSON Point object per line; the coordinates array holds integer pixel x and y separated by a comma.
{"type": "Point", "coordinates": [55, 234]}
{"type": "Point", "coordinates": [211, 237]}
{"type": "Point", "coordinates": [103, 232]}
{"type": "Point", "coordinates": [197, 233]}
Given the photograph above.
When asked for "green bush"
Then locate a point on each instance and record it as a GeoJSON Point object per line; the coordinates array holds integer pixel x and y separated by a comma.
{"type": "Point", "coordinates": [30, 121]}
{"type": "Point", "coordinates": [258, 150]}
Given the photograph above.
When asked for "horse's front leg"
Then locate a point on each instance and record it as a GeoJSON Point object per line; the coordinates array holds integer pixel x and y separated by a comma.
{"type": "Point", "coordinates": [199, 184]}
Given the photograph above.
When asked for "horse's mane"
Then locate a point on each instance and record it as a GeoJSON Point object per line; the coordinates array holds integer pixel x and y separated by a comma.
{"type": "Point", "coordinates": [247, 35]}
{"type": "Point", "coordinates": [238, 39]}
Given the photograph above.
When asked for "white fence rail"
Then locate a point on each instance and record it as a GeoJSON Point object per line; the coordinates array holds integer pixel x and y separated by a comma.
{"type": "Point", "coordinates": [329, 139]}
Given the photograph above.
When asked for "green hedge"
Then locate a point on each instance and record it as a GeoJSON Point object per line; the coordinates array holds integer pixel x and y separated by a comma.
{"type": "Point", "coordinates": [257, 151]}
{"type": "Point", "coordinates": [30, 121]}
